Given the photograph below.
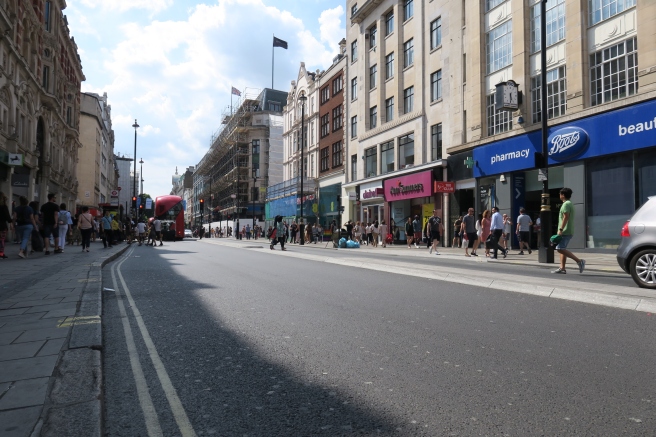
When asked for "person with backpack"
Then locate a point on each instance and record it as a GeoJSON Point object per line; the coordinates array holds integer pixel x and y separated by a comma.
{"type": "Point", "coordinates": [63, 224]}
{"type": "Point", "coordinates": [436, 229]}
{"type": "Point", "coordinates": [278, 234]}
{"type": "Point", "coordinates": [24, 223]}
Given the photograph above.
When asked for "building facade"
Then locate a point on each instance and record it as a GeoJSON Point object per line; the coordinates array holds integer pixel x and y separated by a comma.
{"type": "Point", "coordinates": [124, 182]}
{"type": "Point", "coordinates": [97, 168]}
{"type": "Point", "coordinates": [39, 102]}
{"type": "Point", "coordinates": [601, 76]}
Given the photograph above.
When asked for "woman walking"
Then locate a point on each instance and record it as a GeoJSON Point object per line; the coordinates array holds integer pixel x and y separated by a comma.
{"type": "Point", "coordinates": [278, 235]}
{"type": "Point", "coordinates": [64, 221]}
{"type": "Point", "coordinates": [485, 230]}
{"type": "Point", "coordinates": [374, 233]}
{"type": "Point", "coordinates": [25, 223]}
{"type": "Point", "coordinates": [382, 230]}
{"type": "Point", "coordinates": [85, 224]}
{"type": "Point", "coordinates": [6, 223]}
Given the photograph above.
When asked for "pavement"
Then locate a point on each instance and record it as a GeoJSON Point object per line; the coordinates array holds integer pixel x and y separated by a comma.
{"type": "Point", "coordinates": [51, 341]}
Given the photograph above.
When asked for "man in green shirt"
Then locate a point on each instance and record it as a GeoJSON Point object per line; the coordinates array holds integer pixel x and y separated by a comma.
{"type": "Point", "coordinates": [566, 231]}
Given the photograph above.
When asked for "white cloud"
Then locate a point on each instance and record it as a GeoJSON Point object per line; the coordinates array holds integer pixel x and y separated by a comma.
{"type": "Point", "coordinates": [174, 75]}
{"type": "Point", "coordinates": [125, 5]}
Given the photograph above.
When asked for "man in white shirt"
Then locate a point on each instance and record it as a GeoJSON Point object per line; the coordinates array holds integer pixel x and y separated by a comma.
{"type": "Point", "coordinates": [141, 231]}
{"type": "Point", "coordinates": [157, 224]}
{"type": "Point", "coordinates": [524, 231]}
{"type": "Point", "coordinates": [496, 227]}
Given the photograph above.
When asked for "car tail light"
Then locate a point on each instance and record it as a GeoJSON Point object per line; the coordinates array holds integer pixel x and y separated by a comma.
{"type": "Point", "coordinates": [625, 230]}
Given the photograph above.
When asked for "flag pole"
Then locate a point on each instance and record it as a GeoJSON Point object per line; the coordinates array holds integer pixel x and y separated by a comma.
{"type": "Point", "coordinates": [231, 100]}
{"type": "Point", "coordinates": [273, 57]}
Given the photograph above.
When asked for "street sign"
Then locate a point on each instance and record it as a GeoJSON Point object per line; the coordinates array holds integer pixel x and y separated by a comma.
{"type": "Point", "coordinates": [114, 193]}
{"type": "Point", "coordinates": [444, 187]}
{"type": "Point", "coordinates": [542, 174]}
{"type": "Point", "coordinates": [15, 159]}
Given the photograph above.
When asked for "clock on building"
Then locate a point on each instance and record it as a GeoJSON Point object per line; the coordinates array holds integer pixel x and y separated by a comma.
{"type": "Point", "coordinates": [506, 96]}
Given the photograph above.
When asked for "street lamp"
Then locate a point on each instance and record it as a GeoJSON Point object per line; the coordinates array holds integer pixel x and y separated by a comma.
{"type": "Point", "coordinates": [134, 182]}
{"type": "Point", "coordinates": [253, 202]}
{"type": "Point", "coordinates": [211, 210]}
{"type": "Point", "coordinates": [141, 175]}
{"type": "Point", "coordinates": [302, 99]}
{"type": "Point", "coordinates": [546, 252]}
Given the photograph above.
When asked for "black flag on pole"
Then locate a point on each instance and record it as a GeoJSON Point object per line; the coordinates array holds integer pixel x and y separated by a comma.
{"type": "Point", "coordinates": [277, 42]}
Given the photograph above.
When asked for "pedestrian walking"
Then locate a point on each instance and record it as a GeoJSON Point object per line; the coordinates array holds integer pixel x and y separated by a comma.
{"type": "Point", "coordinates": [24, 223]}
{"type": "Point", "coordinates": [468, 228]}
{"type": "Point", "coordinates": [86, 224]}
{"type": "Point", "coordinates": [416, 228]}
{"type": "Point", "coordinates": [141, 231]}
{"type": "Point", "coordinates": [382, 231]}
{"type": "Point", "coordinates": [524, 223]}
{"type": "Point", "coordinates": [6, 224]}
{"type": "Point", "coordinates": [566, 232]}
{"type": "Point", "coordinates": [436, 229]}
{"type": "Point", "coordinates": [496, 227]}
{"type": "Point", "coordinates": [106, 230]}
{"type": "Point", "coordinates": [63, 225]}
{"type": "Point", "coordinates": [50, 211]}
{"type": "Point", "coordinates": [374, 233]}
{"type": "Point", "coordinates": [409, 233]}
{"type": "Point", "coordinates": [485, 230]}
{"type": "Point", "coordinates": [248, 232]}
{"type": "Point", "coordinates": [334, 233]}
{"type": "Point", "coordinates": [278, 234]}
{"type": "Point", "coordinates": [157, 225]}
{"type": "Point", "coordinates": [507, 230]}
{"type": "Point", "coordinates": [457, 233]}
{"type": "Point", "coordinates": [357, 231]}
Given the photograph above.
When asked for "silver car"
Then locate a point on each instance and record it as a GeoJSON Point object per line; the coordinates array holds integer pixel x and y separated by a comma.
{"type": "Point", "coordinates": [637, 251]}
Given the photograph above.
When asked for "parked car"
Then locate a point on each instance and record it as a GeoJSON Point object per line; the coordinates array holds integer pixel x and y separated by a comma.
{"type": "Point", "coordinates": [188, 233]}
{"type": "Point", "coordinates": [636, 253]}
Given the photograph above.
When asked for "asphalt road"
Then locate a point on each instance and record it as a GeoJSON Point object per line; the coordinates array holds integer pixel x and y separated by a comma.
{"type": "Point", "coordinates": [255, 343]}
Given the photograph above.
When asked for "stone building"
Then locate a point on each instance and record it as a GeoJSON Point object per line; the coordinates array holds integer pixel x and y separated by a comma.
{"type": "Point", "coordinates": [97, 168]}
{"type": "Point", "coordinates": [39, 102]}
{"type": "Point", "coordinates": [429, 119]}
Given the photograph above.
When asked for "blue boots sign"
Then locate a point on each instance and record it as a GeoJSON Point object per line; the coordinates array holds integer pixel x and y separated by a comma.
{"type": "Point", "coordinates": [567, 143]}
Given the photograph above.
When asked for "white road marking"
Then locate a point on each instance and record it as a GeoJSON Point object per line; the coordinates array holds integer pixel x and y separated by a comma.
{"type": "Point", "coordinates": [186, 429]}
{"type": "Point", "coordinates": [145, 401]}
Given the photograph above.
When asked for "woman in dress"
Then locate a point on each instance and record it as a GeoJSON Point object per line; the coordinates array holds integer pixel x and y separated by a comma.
{"type": "Point", "coordinates": [485, 229]}
{"type": "Point", "coordinates": [85, 224]}
{"type": "Point", "coordinates": [357, 231]}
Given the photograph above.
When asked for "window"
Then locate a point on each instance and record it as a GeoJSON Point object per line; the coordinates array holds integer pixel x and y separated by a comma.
{"type": "Point", "coordinates": [387, 157]}
{"type": "Point", "coordinates": [556, 94]}
{"type": "Point", "coordinates": [354, 9]}
{"type": "Point", "coordinates": [312, 165]}
{"type": "Point", "coordinates": [499, 47]}
{"type": "Point", "coordinates": [354, 126]}
{"type": "Point", "coordinates": [372, 76]}
{"type": "Point", "coordinates": [255, 160]}
{"type": "Point", "coordinates": [337, 118]}
{"type": "Point", "coordinates": [406, 150]}
{"type": "Point", "coordinates": [255, 194]}
{"type": "Point", "coordinates": [408, 99]}
{"type": "Point", "coordinates": [389, 109]}
{"type": "Point", "coordinates": [69, 116]}
{"type": "Point", "coordinates": [325, 159]}
{"type": "Point", "coordinates": [46, 16]}
{"type": "Point", "coordinates": [373, 117]}
{"type": "Point", "coordinates": [436, 142]}
{"type": "Point", "coordinates": [408, 53]}
{"type": "Point", "coordinates": [373, 31]}
{"type": "Point", "coordinates": [603, 9]}
{"type": "Point", "coordinates": [614, 72]}
{"type": "Point", "coordinates": [354, 51]}
{"type": "Point", "coordinates": [370, 162]}
{"type": "Point", "coordinates": [275, 107]}
{"type": "Point", "coordinates": [354, 167]}
{"type": "Point", "coordinates": [389, 22]}
{"type": "Point", "coordinates": [337, 85]}
{"type": "Point", "coordinates": [436, 86]}
{"type": "Point", "coordinates": [491, 4]}
{"type": "Point", "coordinates": [354, 88]}
{"type": "Point", "coordinates": [389, 65]}
{"type": "Point", "coordinates": [46, 78]}
{"type": "Point", "coordinates": [325, 125]}
{"type": "Point", "coordinates": [408, 9]}
{"type": "Point", "coordinates": [436, 33]}
{"type": "Point", "coordinates": [325, 94]}
{"type": "Point", "coordinates": [555, 24]}
{"type": "Point", "coordinates": [497, 121]}
{"type": "Point", "coordinates": [337, 154]}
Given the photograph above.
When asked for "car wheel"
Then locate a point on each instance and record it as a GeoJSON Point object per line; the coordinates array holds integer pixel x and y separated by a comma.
{"type": "Point", "coordinates": [643, 269]}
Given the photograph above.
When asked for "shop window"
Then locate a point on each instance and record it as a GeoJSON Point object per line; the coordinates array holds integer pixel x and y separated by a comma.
{"type": "Point", "coordinates": [406, 150]}
{"type": "Point", "coordinates": [646, 169]}
{"type": "Point", "coordinates": [610, 199]}
{"type": "Point", "coordinates": [387, 157]}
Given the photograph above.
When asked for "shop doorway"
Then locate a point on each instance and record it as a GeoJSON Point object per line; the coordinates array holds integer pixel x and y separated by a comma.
{"type": "Point", "coordinates": [459, 204]}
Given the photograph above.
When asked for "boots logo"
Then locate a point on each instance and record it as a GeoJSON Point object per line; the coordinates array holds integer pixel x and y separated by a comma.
{"type": "Point", "coordinates": [567, 143]}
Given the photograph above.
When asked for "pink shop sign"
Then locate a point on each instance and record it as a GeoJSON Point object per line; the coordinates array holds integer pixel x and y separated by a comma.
{"type": "Point", "coordinates": [409, 187]}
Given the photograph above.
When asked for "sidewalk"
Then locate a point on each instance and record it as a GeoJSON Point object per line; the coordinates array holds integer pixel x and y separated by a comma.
{"type": "Point", "coordinates": [594, 261]}
{"type": "Point", "coordinates": [50, 337]}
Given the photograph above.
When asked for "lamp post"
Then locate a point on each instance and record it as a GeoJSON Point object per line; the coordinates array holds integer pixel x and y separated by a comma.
{"type": "Point", "coordinates": [134, 182]}
{"type": "Point", "coordinates": [210, 214]}
{"type": "Point", "coordinates": [546, 252]}
{"type": "Point", "coordinates": [234, 196]}
{"type": "Point", "coordinates": [253, 203]}
{"type": "Point", "coordinates": [301, 224]}
{"type": "Point", "coordinates": [141, 175]}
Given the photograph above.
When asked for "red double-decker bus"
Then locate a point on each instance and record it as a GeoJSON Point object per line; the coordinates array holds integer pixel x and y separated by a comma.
{"type": "Point", "coordinates": [169, 210]}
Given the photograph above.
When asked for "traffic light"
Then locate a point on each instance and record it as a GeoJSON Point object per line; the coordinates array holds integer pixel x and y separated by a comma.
{"type": "Point", "coordinates": [134, 202]}
{"type": "Point", "coordinates": [202, 205]}
{"type": "Point", "coordinates": [141, 207]}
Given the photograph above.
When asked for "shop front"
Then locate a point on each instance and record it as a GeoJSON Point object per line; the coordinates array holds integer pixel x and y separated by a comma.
{"type": "Point", "coordinates": [372, 203]}
{"type": "Point", "coordinates": [608, 160]}
{"type": "Point", "coordinates": [408, 196]}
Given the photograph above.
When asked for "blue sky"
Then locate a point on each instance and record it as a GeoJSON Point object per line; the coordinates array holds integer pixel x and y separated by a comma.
{"type": "Point", "coordinates": [171, 64]}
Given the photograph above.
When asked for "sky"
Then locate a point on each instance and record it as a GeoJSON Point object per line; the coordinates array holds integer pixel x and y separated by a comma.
{"type": "Point", "coordinates": [171, 64]}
